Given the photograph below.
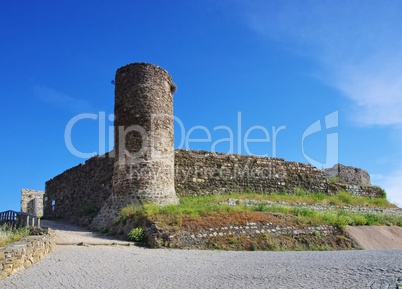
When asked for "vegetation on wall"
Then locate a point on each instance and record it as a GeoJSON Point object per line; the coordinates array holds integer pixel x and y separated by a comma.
{"type": "Point", "coordinates": [196, 208]}
{"type": "Point", "coordinates": [10, 234]}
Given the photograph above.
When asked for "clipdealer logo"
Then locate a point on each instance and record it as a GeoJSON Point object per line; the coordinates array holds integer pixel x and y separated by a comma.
{"type": "Point", "coordinates": [186, 138]}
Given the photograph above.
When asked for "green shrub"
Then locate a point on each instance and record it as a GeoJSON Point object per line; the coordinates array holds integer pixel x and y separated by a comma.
{"type": "Point", "coordinates": [136, 235]}
{"type": "Point", "coordinates": [303, 212]}
{"type": "Point", "coordinates": [345, 197]}
{"type": "Point", "coordinates": [333, 179]}
{"type": "Point", "coordinates": [300, 192]}
{"type": "Point", "coordinates": [371, 219]}
{"type": "Point", "coordinates": [343, 221]}
{"type": "Point", "coordinates": [359, 220]}
{"type": "Point", "coordinates": [329, 217]}
{"type": "Point", "coordinates": [261, 208]}
{"type": "Point", "coordinates": [383, 194]}
{"type": "Point", "coordinates": [318, 196]}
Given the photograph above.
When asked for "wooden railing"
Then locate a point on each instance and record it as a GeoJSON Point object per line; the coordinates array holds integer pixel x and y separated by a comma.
{"type": "Point", "coordinates": [19, 219]}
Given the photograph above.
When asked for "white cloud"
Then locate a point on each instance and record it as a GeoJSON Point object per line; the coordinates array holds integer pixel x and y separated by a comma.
{"type": "Point", "coordinates": [377, 96]}
{"type": "Point", "coordinates": [61, 100]}
{"type": "Point", "coordinates": [392, 184]}
{"type": "Point", "coordinates": [357, 44]}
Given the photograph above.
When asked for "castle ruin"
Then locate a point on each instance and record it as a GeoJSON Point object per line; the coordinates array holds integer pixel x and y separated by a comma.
{"type": "Point", "coordinates": [143, 167]}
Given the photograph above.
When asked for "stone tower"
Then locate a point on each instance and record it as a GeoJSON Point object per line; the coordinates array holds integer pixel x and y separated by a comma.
{"type": "Point", "coordinates": [144, 160]}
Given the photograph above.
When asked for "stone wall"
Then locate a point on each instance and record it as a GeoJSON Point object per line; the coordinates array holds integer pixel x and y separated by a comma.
{"type": "Point", "coordinates": [80, 192]}
{"type": "Point", "coordinates": [201, 238]}
{"type": "Point", "coordinates": [24, 253]}
{"type": "Point", "coordinates": [201, 172]}
{"type": "Point", "coordinates": [349, 175]}
{"type": "Point", "coordinates": [359, 190]}
{"type": "Point", "coordinates": [322, 208]}
{"type": "Point", "coordinates": [32, 202]}
{"type": "Point", "coordinates": [145, 168]}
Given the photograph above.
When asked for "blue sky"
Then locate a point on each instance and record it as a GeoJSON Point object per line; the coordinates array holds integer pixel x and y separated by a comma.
{"type": "Point", "coordinates": [258, 65]}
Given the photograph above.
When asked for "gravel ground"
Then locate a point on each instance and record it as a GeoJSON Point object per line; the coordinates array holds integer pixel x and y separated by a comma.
{"type": "Point", "coordinates": [133, 267]}
{"type": "Point", "coordinates": [113, 266]}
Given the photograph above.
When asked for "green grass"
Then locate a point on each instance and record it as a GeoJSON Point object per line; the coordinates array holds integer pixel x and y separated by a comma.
{"type": "Point", "coordinates": [136, 235]}
{"type": "Point", "coordinates": [339, 218]}
{"type": "Point", "coordinates": [194, 207]}
{"type": "Point", "coordinates": [341, 199]}
{"type": "Point", "coordinates": [9, 235]}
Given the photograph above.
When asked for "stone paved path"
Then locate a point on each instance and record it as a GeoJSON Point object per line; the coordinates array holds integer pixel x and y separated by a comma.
{"type": "Point", "coordinates": [67, 234]}
{"type": "Point", "coordinates": [112, 266]}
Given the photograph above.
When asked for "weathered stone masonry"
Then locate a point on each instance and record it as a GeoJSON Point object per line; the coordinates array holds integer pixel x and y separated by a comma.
{"type": "Point", "coordinates": [349, 175]}
{"type": "Point", "coordinates": [32, 202]}
{"type": "Point", "coordinates": [200, 172]}
{"type": "Point", "coordinates": [144, 155]}
{"type": "Point", "coordinates": [144, 134]}
{"type": "Point", "coordinates": [24, 253]}
{"type": "Point", "coordinates": [144, 166]}
{"type": "Point", "coordinates": [79, 193]}
{"type": "Point", "coordinates": [196, 173]}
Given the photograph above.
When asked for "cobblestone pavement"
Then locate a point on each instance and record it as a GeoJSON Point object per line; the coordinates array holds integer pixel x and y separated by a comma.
{"type": "Point", "coordinates": [133, 267]}
{"type": "Point", "coordinates": [114, 266]}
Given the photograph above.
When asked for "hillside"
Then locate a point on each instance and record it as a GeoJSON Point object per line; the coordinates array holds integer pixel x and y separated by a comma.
{"type": "Point", "coordinates": [257, 222]}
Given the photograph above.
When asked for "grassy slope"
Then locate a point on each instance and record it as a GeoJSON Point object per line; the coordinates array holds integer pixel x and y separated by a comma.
{"type": "Point", "coordinates": [203, 212]}
{"type": "Point", "coordinates": [193, 209]}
